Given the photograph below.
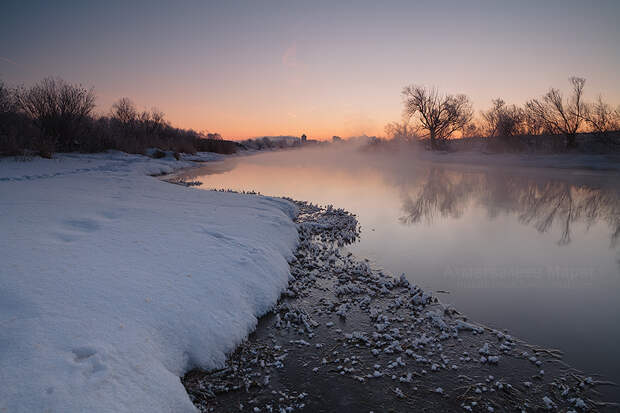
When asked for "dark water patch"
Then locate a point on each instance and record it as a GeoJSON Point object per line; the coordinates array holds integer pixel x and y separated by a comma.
{"type": "Point", "coordinates": [346, 337]}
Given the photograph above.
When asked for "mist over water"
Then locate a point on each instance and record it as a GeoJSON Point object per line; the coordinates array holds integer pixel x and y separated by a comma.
{"type": "Point", "coordinates": [534, 251]}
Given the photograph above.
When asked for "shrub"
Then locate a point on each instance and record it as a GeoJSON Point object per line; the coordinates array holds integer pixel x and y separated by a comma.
{"type": "Point", "coordinates": [59, 109]}
{"type": "Point", "coordinates": [54, 115]}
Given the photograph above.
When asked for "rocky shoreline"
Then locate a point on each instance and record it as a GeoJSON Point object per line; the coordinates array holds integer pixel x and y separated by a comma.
{"type": "Point", "coordinates": [346, 337]}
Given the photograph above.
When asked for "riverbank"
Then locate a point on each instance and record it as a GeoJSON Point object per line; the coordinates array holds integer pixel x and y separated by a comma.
{"type": "Point", "coordinates": [113, 283]}
{"type": "Point", "coordinates": [542, 239]}
{"type": "Point", "coordinates": [100, 313]}
{"type": "Point", "coordinates": [345, 337]}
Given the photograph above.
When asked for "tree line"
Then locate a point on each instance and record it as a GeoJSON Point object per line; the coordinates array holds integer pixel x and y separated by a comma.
{"type": "Point", "coordinates": [56, 116]}
{"type": "Point", "coordinates": [429, 114]}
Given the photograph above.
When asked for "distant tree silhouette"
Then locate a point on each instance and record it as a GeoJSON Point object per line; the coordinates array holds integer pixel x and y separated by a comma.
{"type": "Point", "coordinates": [54, 115]}
{"type": "Point", "coordinates": [7, 102]}
{"type": "Point", "coordinates": [471, 129]}
{"type": "Point", "coordinates": [503, 120]}
{"type": "Point", "coordinates": [559, 115]}
{"type": "Point", "coordinates": [440, 115]}
{"type": "Point", "coordinates": [124, 111]}
{"type": "Point", "coordinates": [58, 108]}
{"type": "Point", "coordinates": [601, 118]}
{"type": "Point", "coordinates": [401, 130]}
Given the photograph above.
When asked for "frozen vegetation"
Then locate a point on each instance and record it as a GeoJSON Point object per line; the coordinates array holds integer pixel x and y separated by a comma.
{"type": "Point", "coordinates": [113, 283]}
{"type": "Point", "coordinates": [347, 337]}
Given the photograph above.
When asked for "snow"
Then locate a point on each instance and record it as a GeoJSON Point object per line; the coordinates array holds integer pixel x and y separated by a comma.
{"type": "Point", "coordinates": [549, 404]}
{"type": "Point", "coordinates": [113, 283]}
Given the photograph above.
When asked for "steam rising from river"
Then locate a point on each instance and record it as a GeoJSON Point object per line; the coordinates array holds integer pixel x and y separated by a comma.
{"type": "Point", "coordinates": [430, 188]}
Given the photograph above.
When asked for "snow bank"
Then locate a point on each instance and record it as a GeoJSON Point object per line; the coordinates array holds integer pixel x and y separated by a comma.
{"type": "Point", "coordinates": [114, 283]}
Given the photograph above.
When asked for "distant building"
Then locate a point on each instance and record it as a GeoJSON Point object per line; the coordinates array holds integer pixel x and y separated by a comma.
{"type": "Point", "coordinates": [304, 138]}
{"type": "Point", "coordinates": [336, 139]}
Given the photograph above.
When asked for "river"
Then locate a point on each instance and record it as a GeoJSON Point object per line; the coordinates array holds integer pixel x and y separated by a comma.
{"type": "Point", "coordinates": [530, 250]}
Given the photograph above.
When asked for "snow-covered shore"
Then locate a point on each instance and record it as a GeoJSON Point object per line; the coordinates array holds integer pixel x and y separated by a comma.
{"type": "Point", "coordinates": [114, 283]}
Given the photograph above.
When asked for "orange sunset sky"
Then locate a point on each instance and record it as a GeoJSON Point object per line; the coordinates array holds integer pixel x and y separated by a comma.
{"type": "Point", "coordinates": [323, 68]}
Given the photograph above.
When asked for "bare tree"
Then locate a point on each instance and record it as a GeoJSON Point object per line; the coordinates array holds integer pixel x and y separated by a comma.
{"type": "Point", "coordinates": [401, 130]}
{"type": "Point", "coordinates": [471, 130]}
{"type": "Point", "coordinates": [437, 114]}
{"type": "Point", "coordinates": [157, 117]}
{"type": "Point", "coordinates": [59, 109]}
{"type": "Point", "coordinates": [503, 120]}
{"type": "Point", "coordinates": [601, 118]}
{"type": "Point", "coordinates": [491, 117]}
{"type": "Point", "coordinates": [124, 111]}
{"type": "Point", "coordinates": [559, 115]}
{"type": "Point", "coordinates": [7, 103]}
{"type": "Point", "coordinates": [532, 125]}
{"type": "Point", "coordinates": [153, 119]}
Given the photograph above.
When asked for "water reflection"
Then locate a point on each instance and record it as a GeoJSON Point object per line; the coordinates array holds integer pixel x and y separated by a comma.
{"type": "Point", "coordinates": [544, 205]}
{"type": "Point", "coordinates": [517, 248]}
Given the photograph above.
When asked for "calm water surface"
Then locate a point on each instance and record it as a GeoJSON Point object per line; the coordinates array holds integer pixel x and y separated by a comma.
{"type": "Point", "coordinates": [533, 251]}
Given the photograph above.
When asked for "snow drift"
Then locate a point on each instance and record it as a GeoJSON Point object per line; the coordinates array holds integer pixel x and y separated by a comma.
{"type": "Point", "coordinates": [113, 283]}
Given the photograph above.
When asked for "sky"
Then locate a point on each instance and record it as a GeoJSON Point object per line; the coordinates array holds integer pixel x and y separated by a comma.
{"type": "Point", "coordinates": [322, 68]}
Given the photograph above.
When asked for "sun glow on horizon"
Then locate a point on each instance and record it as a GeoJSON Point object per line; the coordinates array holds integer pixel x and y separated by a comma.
{"type": "Point", "coordinates": [322, 69]}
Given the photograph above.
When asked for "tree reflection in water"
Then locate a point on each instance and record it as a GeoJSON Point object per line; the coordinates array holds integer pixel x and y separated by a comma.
{"type": "Point", "coordinates": [541, 204]}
